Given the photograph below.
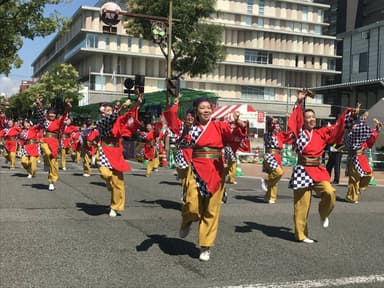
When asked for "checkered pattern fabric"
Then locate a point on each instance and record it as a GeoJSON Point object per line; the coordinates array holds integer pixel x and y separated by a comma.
{"type": "Point", "coordinates": [272, 163]}
{"type": "Point", "coordinates": [201, 185]}
{"type": "Point", "coordinates": [357, 166]}
{"type": "Point", "coordinates": [229, 154]}
{"type": "Point", "coordinates": [300, 178]}
{"type": "Point", "coordinates": [358, 135]}
{"type": "Point", "coordinates": [104, 160]}
{"type": "Point", "coordinates": [270, 142]}
{"type": "Point", "coordinates": [105, 124]}
{"type": "Point", "coordinates": [180, 160]}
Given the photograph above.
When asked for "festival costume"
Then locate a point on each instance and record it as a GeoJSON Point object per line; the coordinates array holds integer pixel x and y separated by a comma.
{"type": "Point", "coordinates": [49, 143]}
{"type": "Point", "coordinates": [206, 187]}
{"type": "Point", "coordinates": [30, 149]}
{"type": "Point", "coordinates": [308, 174]}
{"type": "Point", "coordinates": [112, 163]}
{"type": "Point", "coordinates": [273, 143]}
{"type": "Point", "coordinates": [89, 139]}
{"type": "Point", "coordinates": [358, 139]}
{"type": "Point", "coordinates": [10, 144]}
{"type": "Point", "coordinates": [66, 143]}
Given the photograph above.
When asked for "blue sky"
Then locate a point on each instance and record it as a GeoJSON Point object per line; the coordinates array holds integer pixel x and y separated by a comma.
{"type": "Point", "coordinates": [32, 48]}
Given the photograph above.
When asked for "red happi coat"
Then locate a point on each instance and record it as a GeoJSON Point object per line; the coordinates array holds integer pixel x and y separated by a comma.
{"type": "Point", "coordinates": [32, 134]}
{"type": "Point", "coordinates": [66, 136]}
{"type": "Point", "coordinates": [7, 133]}
{"type": "Point", "coordinates": [175, 125]}
{"type": "Point", "coordinates": [317, 139]}
{"type": "Point", "coordinates": [215, 134]}
{"type": "Point", "coordinates": [130, 123]}
{"type": "Point", "coordinates": [55, 127]}
{"type": "Point", "coordinates": [115, 154]}
{"type": "Point", "coordinates": [90, 141]}
{"type": "Point", "coordinates": [149, 148]}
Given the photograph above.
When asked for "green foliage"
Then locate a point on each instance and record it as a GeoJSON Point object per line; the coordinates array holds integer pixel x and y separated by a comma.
{"type": "Point", "coordinates": [23, 19]}
{"type": "Point", "coordinates": [196, 46]}
{"type": "Point", "coordinates": [54, 87]}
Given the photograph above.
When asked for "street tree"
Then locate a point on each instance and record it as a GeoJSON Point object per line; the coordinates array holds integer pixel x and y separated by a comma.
{"type": "Point", "coordinates": [24, 19]}
{"type": "Point", "coordinates": [196, 45]}
{"type": "Point", "coordinates": [53, 88]}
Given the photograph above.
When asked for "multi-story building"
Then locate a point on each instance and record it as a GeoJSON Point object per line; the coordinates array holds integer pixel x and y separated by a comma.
{"type": "Point", "coordinates": [360, 34]}
{"type": "Point", "coordinates": [272, 49]}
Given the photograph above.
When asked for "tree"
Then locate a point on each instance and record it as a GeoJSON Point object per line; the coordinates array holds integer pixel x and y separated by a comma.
{"type": "Point", "coordinates": [196, 45]}
{"type": "Point", "coordinates": [23, 19]}
{"type": "Point", "coordinates": [54, 87]}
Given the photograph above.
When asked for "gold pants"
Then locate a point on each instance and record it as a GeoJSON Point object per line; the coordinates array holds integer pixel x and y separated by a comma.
{"type": "Point", "coordinates": [204, 210]}
{"type": "Point", "coordinates": [30, 164]}
{"type": "Point", "coordinates": [152, 164]}
{"type": "Point", "coordinates": [64, 152]}
{"type": "Point", "coordinates": [232, 165]}
{"type": "Point", "coordinates": [302, 203]}
{"type": "Point", "coordinates": [76, 156]}
{"type": "Point", "coordinates": [272, 181]}
{"type": "Point", "coordinates": [11, 157]}
{"type": "Point", "coordinates": [356, 182]}
{"type": "Point", "coordinates": [115, 180]}
{"type": "Point", "coordinates": [86, 163]}
{"type": "Point", "coordinates": [53, 165]}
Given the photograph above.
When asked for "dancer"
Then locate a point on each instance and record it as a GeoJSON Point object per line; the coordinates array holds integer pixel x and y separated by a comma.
{"type": "Point", "coordinates": [274, 139]}
{"type": "Point", "coordinates": [112, 164]}
{"type": "Point", "coordinates": [89, 139]}
{"type": "Point", "coordinates": [206, 186]}
{"type": "Point", "coordinates": [50, 141]}
{"type": "Point", "coordinates": [30, 149]}
{"type": "Point", "coordinates": [308, 174]}
{"type": "Point", "coordinates": [359, 138]}
{"type": "Point", "coordinates": [66, 142]}
{"type": "Point", "coordinates": [10, 133]}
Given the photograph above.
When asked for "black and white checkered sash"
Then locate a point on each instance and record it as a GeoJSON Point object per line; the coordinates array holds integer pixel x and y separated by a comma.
{"type": "Point", "coordinates": [229, 154]}
{"type": "Point", "coordinates": [300, 178]}
{"type": "Point", "coordinates": [195, 132]}
{"type": "Point", "coordinates": [271, 144]}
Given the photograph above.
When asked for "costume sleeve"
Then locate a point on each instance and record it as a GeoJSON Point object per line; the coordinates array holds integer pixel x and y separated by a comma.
{"type": "Point", "coordinates": [172, 118]}
{"type": "Point", "coordinates": [296, 120]}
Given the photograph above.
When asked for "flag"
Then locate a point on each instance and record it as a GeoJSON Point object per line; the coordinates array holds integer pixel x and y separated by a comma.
{"type": "Point", "coordinates": [102, 69]}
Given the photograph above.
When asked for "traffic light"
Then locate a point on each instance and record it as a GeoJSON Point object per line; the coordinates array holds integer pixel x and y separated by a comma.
{"type": "Point", "coordinates": [173, 87]}
{"type": "Point", "coordinates": [128, 84]}
{"type": "Point", "coordinates": [159, 31]}
{"type": "Point", "coordinates": [139, 83]}
{"type": "Point", "coordinates": [133, 85]}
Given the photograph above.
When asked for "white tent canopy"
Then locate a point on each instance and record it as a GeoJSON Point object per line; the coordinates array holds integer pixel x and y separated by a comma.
{"type": "Point", "coordinates": [247, 112]}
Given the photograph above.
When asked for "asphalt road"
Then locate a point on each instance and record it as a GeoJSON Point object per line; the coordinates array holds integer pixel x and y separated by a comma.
{"type": "Point", "coordinates": [65, 238]}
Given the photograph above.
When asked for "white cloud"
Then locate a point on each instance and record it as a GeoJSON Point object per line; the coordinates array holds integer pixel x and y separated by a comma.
{"type": "Point", "coordinates": [9, 87]}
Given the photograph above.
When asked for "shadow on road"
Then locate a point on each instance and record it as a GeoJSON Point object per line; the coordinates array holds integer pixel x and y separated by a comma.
{"type": "Point", "coordinates": [38, 186]}
{"type": "Point", "coordinates": [170, 246]}
{"type": "Point", "coordinates": [170, 183]}
{"type": "Point", "coordinates": [101, 184]}
{"type": "Point", "coordinates": [167, 204]}
{"type": "Point", "coordinates": [23, 175]}
{"type": "Point", "coordinates": [93, 209]}
{"type": "Point", "coordinates": [252, 198]}
{"type": "Point", "coordinates": [135, 174]}
{"type": "Point", "coordinates": [271, 231]}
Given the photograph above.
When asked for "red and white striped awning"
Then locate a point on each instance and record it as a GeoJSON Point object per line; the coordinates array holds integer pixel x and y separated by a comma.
{"type": "Point", "coordinates": [223, 112]}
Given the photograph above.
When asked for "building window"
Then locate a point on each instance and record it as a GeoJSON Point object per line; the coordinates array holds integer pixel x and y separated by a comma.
{"type": "Point", "coordinates": [92, 41]}
{"type": "Point", "coordinates": [258, 57]}
{"type": "Point", "coordinates": [140, 43]}
{"type": "Point", "coordinates": [118, 41]}
{"type": "Point", "coordinates": [317, 29]}
{"type": "Point", "coordinates": [331, 64]}
{"type": "Point", "coordinates": [99, 83]}
{"type": "Point", "coordinates": [258, 93]}
{"type": "Point", "coordinates": [319, 16]}
{"type": "Point", "coordinates": [107, 41]}
{"type": "Point", "coordinates": [305, 13]}
{"type": "Point", "coordinates": [363, 62]}
{"type": "Point", "coordinates": [248, 20]}
{"type": "Point", "coordinates": [250, 6]}
{"type": "Point", "coordinates": [260, 22]}
{"type": "Point", "coordinates": [129, 42]}
{"type": "Point", "coordinates": [296, 60]}
{"type": "Point", "coordinates": [261, 7]}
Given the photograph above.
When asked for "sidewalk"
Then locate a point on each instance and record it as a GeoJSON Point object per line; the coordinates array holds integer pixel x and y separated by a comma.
{"type": "Point", "coordinates": [255, 170]}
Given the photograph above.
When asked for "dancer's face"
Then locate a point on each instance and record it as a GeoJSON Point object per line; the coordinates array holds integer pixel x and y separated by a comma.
{"type": "Point", "coordinates": [309, 120]}
{"type": "Point", "coordinates": [204, 112]}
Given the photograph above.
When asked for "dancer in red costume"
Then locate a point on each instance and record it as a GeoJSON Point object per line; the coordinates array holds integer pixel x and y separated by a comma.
{"type": "Point", "coordinates": [207, 139]}
{"type": "Point", "coordinates": [10, 135]}
{"type": "Point", "coordinates": [30, 149]}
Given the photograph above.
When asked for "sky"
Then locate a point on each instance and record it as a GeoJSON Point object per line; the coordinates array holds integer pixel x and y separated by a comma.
{"type": "Point", "coordinates": [32, 48]}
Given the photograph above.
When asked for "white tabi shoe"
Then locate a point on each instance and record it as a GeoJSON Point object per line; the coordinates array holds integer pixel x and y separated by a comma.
{"type": "Point", "coordinates": [51, 187]}
{"type": "Point", "coordinates": [112, 213]}
{"type": "Point", "coordinates": [205, 254]}
{"type": "Point", "coordinates": [325, 222]}
{"type": "Point", "coordinates": [308, 241]}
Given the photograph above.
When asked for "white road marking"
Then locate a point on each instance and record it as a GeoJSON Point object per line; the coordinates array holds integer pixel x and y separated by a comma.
{"type": "Point", "coordinates": [317, 283]}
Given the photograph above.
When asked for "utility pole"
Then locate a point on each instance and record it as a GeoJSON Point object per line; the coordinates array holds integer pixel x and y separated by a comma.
{"type": "Point", "coordinates": [169, 49]}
